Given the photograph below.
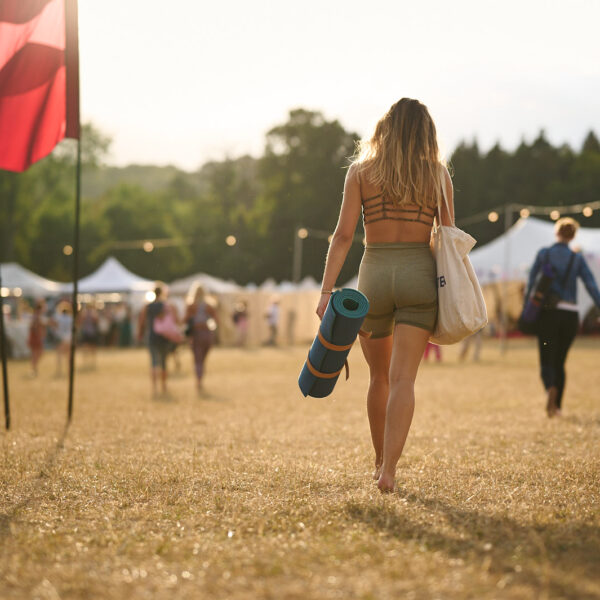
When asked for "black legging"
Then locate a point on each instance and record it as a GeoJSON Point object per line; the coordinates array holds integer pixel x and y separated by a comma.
{"type": "Point", "coordinates": [557, 330]}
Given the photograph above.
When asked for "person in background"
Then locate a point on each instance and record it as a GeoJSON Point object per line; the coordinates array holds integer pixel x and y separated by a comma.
{"type": "Point", "coordinates": [125, 334]}
{"type": "Point", "coordinates": [176, 341]}
{"type": "Point", "coordinates": [37, 334]}
{"type": "Point", "coordinates": [436, 349]}
{"type": "Point", "coordinates": [272, 316]}
{"type": "Point", "coordinates": [63, 328]}
{"type": "Point", "coordinates": [397, 182]}
{"type": "Point", "coordinates": [88, 331]}
{"type": "Point", "coordinates": [104, 326]}
{"type": "Point", "coordinates": [477, 340]}
{"type": "Point", "coordinates": [240, 320]}
{"type": "Point", "coordinates": [202, 320]}
{"type": "Point", "coordinates": [158, 345]}
{"type": "Point", "coordinates": [559, 320]}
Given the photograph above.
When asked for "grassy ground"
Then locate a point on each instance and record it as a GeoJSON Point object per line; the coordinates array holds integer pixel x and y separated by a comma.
{"type": "Point", "coordinates": [257, 492]}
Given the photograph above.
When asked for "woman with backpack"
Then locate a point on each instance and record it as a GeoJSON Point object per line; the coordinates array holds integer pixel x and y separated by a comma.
{"type": "Point", "coordinates": [559, 320]}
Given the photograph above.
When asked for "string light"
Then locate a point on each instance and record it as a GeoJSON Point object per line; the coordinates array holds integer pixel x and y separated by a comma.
{"type": "Point", "coordinates": [68, 250]}
{"type": "Point", "coordinates": [588, 211]}
{"type": "Point", "coordinates": [493, 216]}
{"type": "Point", "coordinates": [524, 213]}
{"type": "Point", "coordinates": [231, 240]}
{"type": "Point", "coordinates": [302, 233]}
{"type": "Point", "coordinates": [555, 215]}
{"type": "Point", "coordinates": [148, 246]}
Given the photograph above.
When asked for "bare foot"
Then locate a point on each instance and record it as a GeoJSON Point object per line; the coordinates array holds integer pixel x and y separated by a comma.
{"type": "Point", "coordinates": [551, 404]}
{"type": "Point", "coordinates": [377, 472]}
{"type": "Point", "coordinates": [386, 484]}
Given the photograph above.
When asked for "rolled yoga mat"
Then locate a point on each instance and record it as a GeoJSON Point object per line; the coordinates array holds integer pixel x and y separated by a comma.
{"type": "Point", "coordinates": [341, 323]}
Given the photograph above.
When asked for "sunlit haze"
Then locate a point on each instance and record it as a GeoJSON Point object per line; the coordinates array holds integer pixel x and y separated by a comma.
{"type": "Point", "coordinates": [184, 82]}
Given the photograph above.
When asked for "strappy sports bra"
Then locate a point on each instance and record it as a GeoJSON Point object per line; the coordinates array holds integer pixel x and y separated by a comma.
{"type": "Point", "coordinates": [378, 208]}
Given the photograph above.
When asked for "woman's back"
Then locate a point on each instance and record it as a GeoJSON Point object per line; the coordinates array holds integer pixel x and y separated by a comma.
{"type": "Point", "coordinates": [386, 220]}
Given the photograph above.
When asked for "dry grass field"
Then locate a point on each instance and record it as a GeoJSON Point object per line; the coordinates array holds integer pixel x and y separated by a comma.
{"type": "Point", "coordinates": [256, 492]}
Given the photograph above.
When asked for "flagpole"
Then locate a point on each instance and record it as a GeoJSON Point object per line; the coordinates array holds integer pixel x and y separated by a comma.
{"type": "Point", "coordinates": [73, 130]}
{"type": "Point", "coordinates": [75, 280]}
{"type": "Point", "coordinates": [3, 353]}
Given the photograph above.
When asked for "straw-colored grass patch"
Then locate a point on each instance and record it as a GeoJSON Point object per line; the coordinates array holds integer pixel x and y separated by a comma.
{"type": "Point", "coordinates": [257, 492]}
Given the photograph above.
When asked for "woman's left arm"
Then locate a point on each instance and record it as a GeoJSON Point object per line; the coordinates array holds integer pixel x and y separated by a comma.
{"type": "Point", "coordinates": [588, 280]}
{"type": "Point", "coordinates": [342, 237]}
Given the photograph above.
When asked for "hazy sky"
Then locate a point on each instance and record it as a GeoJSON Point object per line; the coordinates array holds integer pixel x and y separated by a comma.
{"type": "Point", "coordinates": [186, 81]}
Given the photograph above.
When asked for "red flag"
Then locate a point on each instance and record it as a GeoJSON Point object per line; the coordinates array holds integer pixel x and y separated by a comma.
{"type": "Point", "coordinates": [39, 79]}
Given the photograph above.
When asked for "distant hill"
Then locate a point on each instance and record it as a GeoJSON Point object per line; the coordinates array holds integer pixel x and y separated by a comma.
{"type": "Point", "coordinates": [96, 182]}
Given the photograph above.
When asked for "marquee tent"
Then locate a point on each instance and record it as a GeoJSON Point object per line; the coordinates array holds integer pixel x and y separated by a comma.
{"type": "Point", "coordinates": [15, 277]}
{"type": "Point", "coordinates": [112, 277]}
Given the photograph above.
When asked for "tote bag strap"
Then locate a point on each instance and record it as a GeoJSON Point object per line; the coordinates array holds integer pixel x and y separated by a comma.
{"type": "Point", "coordinates": [446, 203]}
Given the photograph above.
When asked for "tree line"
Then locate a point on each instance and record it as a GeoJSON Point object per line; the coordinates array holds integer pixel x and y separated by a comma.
{"type": "Point", "coordinates": [259, 202]}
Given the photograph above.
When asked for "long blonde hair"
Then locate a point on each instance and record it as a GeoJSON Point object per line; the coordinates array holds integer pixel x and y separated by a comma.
{"type": "Point", "coordinates": [402, 157]}
{"type": "Point", "coordinates": [196, 293]}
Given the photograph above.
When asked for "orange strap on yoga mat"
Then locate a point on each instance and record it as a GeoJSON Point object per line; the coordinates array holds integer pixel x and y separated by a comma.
{"type": "Point", "coordinates": [331, 346]}
{"type": "Point", "coordinates": [327, 375]}
{"type": "Point", "coordinates": [336, 348]}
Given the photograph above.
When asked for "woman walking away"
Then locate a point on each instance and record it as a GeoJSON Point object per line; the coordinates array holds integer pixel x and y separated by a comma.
{"type": "Point", "coordinates": [202, 321]}
{"type": "Point", "coordinates": [558, 321]}
{"type": "Point", "coordinates": [158, 345]}
{"type": "Point", "coordinates": [396, 181]}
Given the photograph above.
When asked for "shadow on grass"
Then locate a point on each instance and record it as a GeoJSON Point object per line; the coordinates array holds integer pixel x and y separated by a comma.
{"type": "Point", "coordinates": [548, 555]}
{"type": "Point", "coordinates": [35, 483]}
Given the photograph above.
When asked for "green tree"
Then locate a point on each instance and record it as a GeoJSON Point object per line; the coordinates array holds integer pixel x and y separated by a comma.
{"type": "Point", "coordinates": [302, 174]}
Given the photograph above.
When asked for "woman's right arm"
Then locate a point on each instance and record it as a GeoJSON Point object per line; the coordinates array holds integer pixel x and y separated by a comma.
{"type": "Point", "coordinates": [342, 237]}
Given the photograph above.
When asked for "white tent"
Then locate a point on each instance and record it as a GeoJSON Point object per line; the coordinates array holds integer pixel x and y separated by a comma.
{"type": "Point", "coordinates": [212, 285]}
{"type": "Point", "coordinates": [22, 282]}
{"type": "Point", "coordinates": [510, 256]}
{"type": "Point", "coordinates": [112, 277]}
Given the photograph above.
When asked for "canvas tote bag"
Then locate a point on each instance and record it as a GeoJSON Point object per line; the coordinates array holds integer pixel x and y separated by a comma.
{"type": "Point", "coordinates": [461, 307]}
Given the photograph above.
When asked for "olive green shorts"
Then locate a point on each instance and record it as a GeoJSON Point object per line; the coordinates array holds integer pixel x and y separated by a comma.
{"type": "Point", "coordinates": [399, 279]}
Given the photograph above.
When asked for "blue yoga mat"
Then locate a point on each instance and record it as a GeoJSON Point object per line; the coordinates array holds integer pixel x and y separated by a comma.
{"type": "Point", "coordinates": [341, 323]}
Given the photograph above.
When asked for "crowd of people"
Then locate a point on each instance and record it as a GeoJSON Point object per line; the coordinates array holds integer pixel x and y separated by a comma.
{"type": "Point", "coordinates": [163, 325]}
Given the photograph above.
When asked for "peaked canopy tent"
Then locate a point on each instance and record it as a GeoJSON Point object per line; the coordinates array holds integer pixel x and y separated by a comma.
{"type": "Point", "coordinates": [112, 277]}
{"type": "Point", "coordinates": [510, 256]}
{"type": "Point", "coordinates": [212, 285]}
{"type": "Point", "coordinates": [15, 277]}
